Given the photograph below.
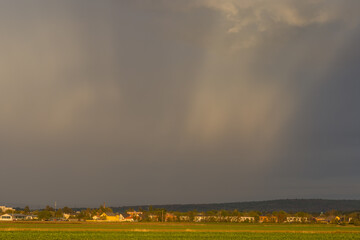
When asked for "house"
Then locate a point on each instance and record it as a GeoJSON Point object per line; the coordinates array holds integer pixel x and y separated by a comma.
{"type": "Point", "coordinates": [201, 218]}
{"type": "Point", "coordinates": [184, 218]}
{"type": "Point", "coordinates": [13, 217]}
{"type": "Point", "coordinates": [334, 219]}
{"type": "Point", "coordinates": [111, 217]}
{"type": "Point", "coordinates": [296, 219]}
{"type": "Point", "coordinates": [135, 215]}
{"type": "Point", "coordinates": [31, 217]}
{"type": "Point", "coordinates": [4, 209]}
{"type": "Point", "coordinates": [229, 219]}
{"type": "Point", "coordinates": [267, 219]}
{"type": "Point", "coordinates": [246, 219]}
{"type": "Point", "coordinates": [169, 217]}
{"type": "Point", "coordinates": [6, 217]}
{"type": "Point", "coordinates": [19, 217]}
{"type": "Point", "coordinates": [153, 217]}
{"type": "Point", "coordinates": [328, 219]}
{"type": "Point", "coordinates": [205, 218]}
{"type": "Point", "coordinates": [263, 219]}
{"type": "Point", "coordinates": [215, 218]}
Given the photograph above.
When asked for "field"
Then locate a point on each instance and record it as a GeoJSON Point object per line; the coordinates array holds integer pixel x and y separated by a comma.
{"type": "Point", "coordinates": [176, 231]}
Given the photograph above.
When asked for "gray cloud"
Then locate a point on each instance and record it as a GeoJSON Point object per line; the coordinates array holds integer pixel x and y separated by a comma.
{"type": "Point", "coordinates": [185, 101]}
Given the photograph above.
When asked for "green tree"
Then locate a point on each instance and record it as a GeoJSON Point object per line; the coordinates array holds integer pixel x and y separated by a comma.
{"type": "Point", "coordinates": [130, 210]}
{"type": "Point", "coordinates": [59, 213]}
{"type": "Point", "coordinates": [67, 210]}
{"type": "Point", "coordinates": [26, 210]}
{"type": "Point", "coordinates": [281, 215]}
{"type": "Point", "coordinates": [192, 214]}
{"type": "Point", "coordinates": [236, 213]}
{"type": "Point", "coordinates": [105, 209]}
{"type": "Point", "coordinates": [44, 215]}
{"type": "Point", "coordinates": [332, 213]}
{"type": "Point", "coordinates": [50, 209]}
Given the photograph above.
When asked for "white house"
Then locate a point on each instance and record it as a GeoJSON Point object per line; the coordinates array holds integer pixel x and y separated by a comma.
{"type": "Point", "coordinates": [247, 219]}
{"type": "Point", "coordinates": [15, 217]}
{"type": "Point", "coordinates": [4, 209]}
{"type": "Point", "coordinates": [6, 217]}
{"type": "Point", "coordinates": [296, 219]}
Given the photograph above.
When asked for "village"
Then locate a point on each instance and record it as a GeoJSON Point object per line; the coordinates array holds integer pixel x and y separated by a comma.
{"type": "Point", "coordinates": [106, 214]}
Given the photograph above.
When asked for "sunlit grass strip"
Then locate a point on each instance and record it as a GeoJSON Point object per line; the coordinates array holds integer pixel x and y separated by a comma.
{"type": "Point", "coordinates": [171, 235]}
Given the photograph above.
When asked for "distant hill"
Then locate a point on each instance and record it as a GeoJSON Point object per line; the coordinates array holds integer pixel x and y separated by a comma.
{"type": "Point", "coordinates": [288, 205]}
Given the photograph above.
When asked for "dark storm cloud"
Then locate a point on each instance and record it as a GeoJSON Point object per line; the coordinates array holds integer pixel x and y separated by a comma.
{"type": "Point", "coordinates": [133, 102]}
{"type": "Point", "coordinates": [324, 141]}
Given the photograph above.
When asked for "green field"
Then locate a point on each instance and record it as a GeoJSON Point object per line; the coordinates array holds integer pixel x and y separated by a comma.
{"type": "Point", "coordinates": [131, 231]}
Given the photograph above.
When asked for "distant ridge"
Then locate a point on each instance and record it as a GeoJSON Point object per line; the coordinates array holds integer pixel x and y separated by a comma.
{"type": "Point", "coordinates": [288, 205]}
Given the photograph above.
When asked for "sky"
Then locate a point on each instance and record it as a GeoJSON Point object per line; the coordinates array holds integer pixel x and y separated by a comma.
{"type": "Point", "coordinates": [182, 101]}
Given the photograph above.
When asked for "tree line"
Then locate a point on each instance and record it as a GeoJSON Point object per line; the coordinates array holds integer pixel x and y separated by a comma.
{"type": "Point", "coordinates": [163, 215]}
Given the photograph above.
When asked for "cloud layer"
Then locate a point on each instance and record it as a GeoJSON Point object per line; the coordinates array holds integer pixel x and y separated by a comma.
{"type": "Point", "coordinates": [182, 101]}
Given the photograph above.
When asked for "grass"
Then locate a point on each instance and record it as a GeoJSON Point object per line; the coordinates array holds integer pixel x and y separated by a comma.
{"type": "Point", "coordinates": [176, 231]}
